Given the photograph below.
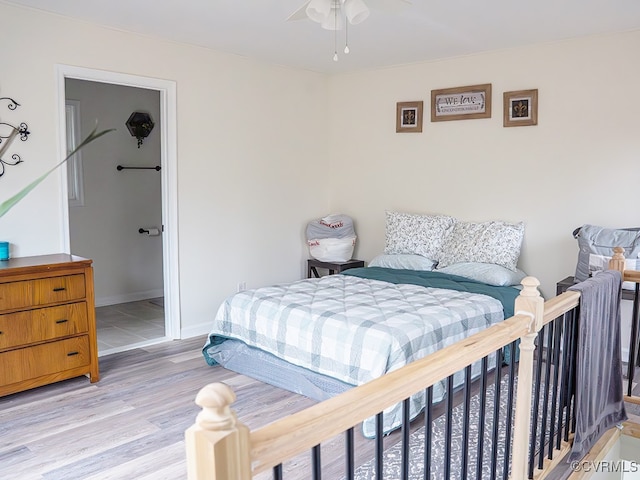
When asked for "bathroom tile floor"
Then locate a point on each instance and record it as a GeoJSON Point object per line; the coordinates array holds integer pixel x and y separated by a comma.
{"type": "Point", "coordinates": [129, 325]}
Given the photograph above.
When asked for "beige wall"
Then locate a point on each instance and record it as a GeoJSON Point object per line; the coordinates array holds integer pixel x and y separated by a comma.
{"type": "Point", "coordinates": [252, 171]}
{"type": "Point", "coordinates": [554, 176]}
{"type": "Point", "coordinates": [245, 155]}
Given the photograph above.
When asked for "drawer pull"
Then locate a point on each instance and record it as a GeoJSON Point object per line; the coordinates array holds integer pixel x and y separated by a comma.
{"type": "Point", "coordinates": [71, 354]}
{"type": "Point", "coordinates": [62, 321]}
{"type": "Point", "coordinates": [59, 289]}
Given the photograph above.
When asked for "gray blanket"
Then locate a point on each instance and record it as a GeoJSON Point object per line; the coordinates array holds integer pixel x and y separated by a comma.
{"type": "Point", "coordinates": [599, 398]}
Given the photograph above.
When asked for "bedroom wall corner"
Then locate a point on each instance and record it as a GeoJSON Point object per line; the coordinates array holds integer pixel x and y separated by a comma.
{"type": "Point", "coordinates": [554, 176]}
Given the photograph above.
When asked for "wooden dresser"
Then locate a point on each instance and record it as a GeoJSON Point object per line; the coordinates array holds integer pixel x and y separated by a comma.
{"type": "Point", "coordinates": [47, 321]}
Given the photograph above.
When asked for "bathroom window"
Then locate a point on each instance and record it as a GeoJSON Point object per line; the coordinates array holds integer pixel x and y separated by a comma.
{"type": "Point", "coordinates": [75, 183]}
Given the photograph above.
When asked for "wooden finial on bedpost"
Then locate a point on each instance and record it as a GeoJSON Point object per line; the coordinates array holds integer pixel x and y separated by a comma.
{"type": "Point", "coordinates": [531, 304]}
{"type": "Point", "coordinates": [617, 262]}
{"type": "Point", "coordinates": [217, 444]}
{"type": "Point", "coordinates": [215, 400]}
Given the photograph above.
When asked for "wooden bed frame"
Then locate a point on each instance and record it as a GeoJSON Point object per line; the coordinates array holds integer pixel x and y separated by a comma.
{"type": "Point", "coordinates": [219, 447]}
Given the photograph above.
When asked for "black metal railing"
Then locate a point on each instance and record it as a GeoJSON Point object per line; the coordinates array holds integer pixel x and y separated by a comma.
{"type": "Point", "coordinates": [553, 418]}
{"type": "Point", "coordinates": [485, 454]}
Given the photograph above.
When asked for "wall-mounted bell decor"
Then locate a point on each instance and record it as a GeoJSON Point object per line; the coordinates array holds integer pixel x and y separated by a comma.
{"type": "Point", "coordinates": [140, 125]}
{"type": "Point", "coordinates": [8, 133]}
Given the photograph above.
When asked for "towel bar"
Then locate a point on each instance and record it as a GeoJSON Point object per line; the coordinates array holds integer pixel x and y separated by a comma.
{"type": "Point", "coordinates": [156, 168]}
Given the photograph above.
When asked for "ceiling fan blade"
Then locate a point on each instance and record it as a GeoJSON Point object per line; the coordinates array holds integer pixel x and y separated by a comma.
{"type": "Point", "coordinates": [319, 10]}
{"type": "Point", "coordinates": [300, 14]}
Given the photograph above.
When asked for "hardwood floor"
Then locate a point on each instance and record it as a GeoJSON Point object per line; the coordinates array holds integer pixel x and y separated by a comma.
{"type": "Point", "coordinates": [130, 425]}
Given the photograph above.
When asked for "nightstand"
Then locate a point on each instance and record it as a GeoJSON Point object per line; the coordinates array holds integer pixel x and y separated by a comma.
{"type": "Point", "coordinates": [563, 284]}
{"type": "Point", "coordinates": [333, 267]}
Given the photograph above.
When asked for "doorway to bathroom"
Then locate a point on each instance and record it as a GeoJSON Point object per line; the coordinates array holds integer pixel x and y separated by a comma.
{"type": "Point", "coordinates": [117, 191]}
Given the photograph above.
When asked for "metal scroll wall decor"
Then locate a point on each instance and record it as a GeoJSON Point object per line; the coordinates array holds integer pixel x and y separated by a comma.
{"type": "Point", "coordinates": [8, 133]}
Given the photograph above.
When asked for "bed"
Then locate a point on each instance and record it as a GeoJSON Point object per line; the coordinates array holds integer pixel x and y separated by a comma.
{"type": "Point", "coordinates": [322, 336]}
{"type": "Point", "coordinates": [541, 397]}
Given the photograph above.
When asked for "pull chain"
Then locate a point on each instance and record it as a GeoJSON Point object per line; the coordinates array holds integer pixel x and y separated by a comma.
{"type": "Point", "coordinates": [346, 36]}
{"type": "Point", "coordinates": [335, 34]}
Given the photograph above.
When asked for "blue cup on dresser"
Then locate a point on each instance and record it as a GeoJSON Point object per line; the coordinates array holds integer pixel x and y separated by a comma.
{"type": "Point", "coordinates": [4, 250]}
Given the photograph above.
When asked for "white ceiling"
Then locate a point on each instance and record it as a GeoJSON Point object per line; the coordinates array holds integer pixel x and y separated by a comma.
{"type": "Point", "coordinates": [426, 30]}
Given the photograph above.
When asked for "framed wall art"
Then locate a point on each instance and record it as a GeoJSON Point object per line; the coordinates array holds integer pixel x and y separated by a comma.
{"type": "Point", "coordinates": [409, 117]}
{"type": "Point", "coordinates": [520, 108]}
{"type": "Point", "coordinates": [461, 103]}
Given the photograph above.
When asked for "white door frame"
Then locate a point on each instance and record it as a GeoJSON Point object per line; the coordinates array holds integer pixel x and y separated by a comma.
{"type": "Point", "coordinates": [168, 135]}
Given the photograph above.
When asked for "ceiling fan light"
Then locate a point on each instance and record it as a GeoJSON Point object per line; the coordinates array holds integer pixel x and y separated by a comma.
{"type": "Point", "coordinates": [335, 20]}
{"type": "Point", "coordinates": [318, 10]}
{"type": "Point", "coordinates": [356, 11]}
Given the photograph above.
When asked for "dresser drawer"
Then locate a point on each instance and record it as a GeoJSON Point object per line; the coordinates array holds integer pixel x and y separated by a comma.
{"type": "Point", "coordinates": [29, 293]}
{"type": "Point", "coordinates": [50, 358]}
{"type": "Point", "coordinates": [21, 328]}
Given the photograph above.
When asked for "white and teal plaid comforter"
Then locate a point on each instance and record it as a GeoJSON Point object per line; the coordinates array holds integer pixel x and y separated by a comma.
{"type": "Point", "coordinates": [353, 329]}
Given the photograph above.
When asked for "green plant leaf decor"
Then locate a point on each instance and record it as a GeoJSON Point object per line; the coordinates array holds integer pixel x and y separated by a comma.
{"type": "Point", "coordinates": [9, 203]}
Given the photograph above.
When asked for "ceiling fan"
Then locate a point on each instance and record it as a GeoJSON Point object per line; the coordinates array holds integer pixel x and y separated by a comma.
{"type": "Point", "coordinates": [338, 14]}
{"type": "Point", "coordinates": [333, 14]}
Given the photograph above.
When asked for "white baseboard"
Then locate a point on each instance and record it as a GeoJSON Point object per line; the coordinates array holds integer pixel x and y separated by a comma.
{"type": "Point", "coordinates": [128, 297]}
{"type": "Point", "coordinates": [124, 348]}
{"type": "Point", "coordinates": [200, 330]}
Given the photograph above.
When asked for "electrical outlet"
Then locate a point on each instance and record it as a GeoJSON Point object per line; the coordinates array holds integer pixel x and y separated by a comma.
{"type": "Point", "coordinates": [242, 286]}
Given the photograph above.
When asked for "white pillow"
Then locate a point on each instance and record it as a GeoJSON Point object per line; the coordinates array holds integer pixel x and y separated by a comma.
{"type": "Point", "coordinates": [486, 242]}
{"type": "Point", "coordinates": [402, 261]}
{"type": "Point", "coordinates": [488, 273]}
{"type": "Point", "coordinates": [408, 233]}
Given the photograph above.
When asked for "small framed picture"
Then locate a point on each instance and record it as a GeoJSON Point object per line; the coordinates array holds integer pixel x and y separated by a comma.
{"type": "Point", "coordinates": [409, 117]}
{"type": "Point", "coordinates": [521, 108]}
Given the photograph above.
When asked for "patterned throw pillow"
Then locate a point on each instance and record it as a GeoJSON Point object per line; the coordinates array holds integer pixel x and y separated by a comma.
{"type": "Point", "coordinates": [486, 242]}
{"type": "Point", "coordinates": [408, 233]}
